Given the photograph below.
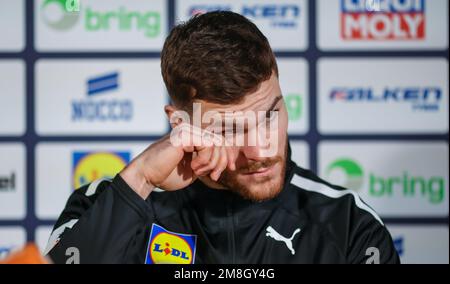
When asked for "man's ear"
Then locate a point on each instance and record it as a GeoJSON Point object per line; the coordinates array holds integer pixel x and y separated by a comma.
{"type": "Point", "coordinates": [170, 109]}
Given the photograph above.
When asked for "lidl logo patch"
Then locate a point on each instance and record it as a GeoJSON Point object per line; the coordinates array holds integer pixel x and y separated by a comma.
{"type": "Point", "coordinates": [167, 247]}
{"type": "Point", "coordinates": [90, 166]}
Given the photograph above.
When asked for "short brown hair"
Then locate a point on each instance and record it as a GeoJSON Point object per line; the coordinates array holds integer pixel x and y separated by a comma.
{"type": "Point", "coordinates": [218, 57]}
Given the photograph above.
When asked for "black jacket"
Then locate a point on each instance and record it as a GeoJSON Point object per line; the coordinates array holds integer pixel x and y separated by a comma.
{"type": "Point", "coordinates": [310, 221]}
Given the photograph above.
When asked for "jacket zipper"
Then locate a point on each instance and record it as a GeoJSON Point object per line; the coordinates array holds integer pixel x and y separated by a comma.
{"type": "Point", "coordinates": [232, 241]}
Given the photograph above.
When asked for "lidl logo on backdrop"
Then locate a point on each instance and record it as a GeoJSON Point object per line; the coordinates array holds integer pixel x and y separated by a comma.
{"type": "Point", "coordinates": [352, 175]}
{"type": "Point", "coordinates": [90, 166]}
{"type": "Point", "coordinates": [383, 19]}
{"type": "Point", "coordinates": [59, 15]}
{"type": "Point", "coordinates": [420, 98]}
{"type": "Point", "coordinates": [97, 108]}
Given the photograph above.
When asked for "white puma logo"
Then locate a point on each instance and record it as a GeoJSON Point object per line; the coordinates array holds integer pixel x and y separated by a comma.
{"type": "Point", "coordinates": [276, 236]}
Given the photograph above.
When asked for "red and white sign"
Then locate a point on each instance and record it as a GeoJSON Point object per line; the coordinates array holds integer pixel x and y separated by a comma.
{"type": "Point", "coordinates": [383, 20]}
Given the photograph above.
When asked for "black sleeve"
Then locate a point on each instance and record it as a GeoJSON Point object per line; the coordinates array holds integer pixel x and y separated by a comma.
{"type": "Point", "coordinates": [102, 221]}
{"type": "Point", "coordinates": [370, 241]}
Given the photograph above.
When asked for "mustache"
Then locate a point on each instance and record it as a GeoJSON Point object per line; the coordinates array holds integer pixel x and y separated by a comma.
{"type": "Point", "coordinates": [254, 166]}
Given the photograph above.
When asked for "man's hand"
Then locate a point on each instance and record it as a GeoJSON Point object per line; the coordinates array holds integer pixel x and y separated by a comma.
{"type": "Point", "coordinates": [173, 167]}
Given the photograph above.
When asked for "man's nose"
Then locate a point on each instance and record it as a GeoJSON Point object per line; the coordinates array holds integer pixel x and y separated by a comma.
{"type": "Point", "coordinates": [257, 148]}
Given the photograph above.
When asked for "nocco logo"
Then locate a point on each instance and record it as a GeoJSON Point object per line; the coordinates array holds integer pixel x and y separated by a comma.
{"type": "Point", "coordinates": [90, 166]}
{"type": "Point", "coordinates": [278, 15]}
{"type": "Point", "coordinates": [294, 106]}
{"type": "Point", "coordinates": [97, 108]}
{"type": "Point", "coordinates": [383, 19]}
{"type": "Point", "coordinates": [420, 98]}
{"type": "Point", "coordinates": [8, 182]}
{"type": "Point", "coordinates": [59, 15]}
{"type": "Point", "coordinates": [352, 176]}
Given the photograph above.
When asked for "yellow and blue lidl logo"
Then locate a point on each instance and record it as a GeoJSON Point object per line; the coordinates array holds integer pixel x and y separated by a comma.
{"type": "Point", "coordinates": [90, 166]}
{"type": "Point", "coordinates": [168, 247]}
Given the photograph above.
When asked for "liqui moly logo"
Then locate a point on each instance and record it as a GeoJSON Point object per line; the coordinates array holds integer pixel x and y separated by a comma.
{"type": "Point", "coordinates": [383, 19]}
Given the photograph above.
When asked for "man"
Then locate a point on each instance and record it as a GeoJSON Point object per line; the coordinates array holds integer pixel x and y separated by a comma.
{"type": "Point", "coordinates": [221, 202]}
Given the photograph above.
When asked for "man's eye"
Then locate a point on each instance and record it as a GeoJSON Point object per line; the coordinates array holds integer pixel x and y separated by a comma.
{"type": "Point", "coordinates": [270, 118]}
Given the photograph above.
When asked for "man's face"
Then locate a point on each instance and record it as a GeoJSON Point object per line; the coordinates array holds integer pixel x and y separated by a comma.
{"type": "Point", "coordinates": [257, 176]}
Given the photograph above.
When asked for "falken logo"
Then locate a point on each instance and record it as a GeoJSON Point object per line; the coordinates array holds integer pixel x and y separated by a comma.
{"type": "Point", "coordinates": [426, 99]}
{"type": "Point", "coordinates": [383, 19]}
{"type": "Point", "coordinates": [277, 15]}
{"type": "Point", "coordinates": [165, 247]}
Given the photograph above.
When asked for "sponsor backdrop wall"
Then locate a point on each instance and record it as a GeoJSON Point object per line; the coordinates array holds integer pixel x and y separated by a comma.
{"type": "Point", "coordinates": [365, 82]}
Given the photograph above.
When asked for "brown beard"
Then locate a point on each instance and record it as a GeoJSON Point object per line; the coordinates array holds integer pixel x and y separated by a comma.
{"type": "Point", "coordinates": [269, 188]}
